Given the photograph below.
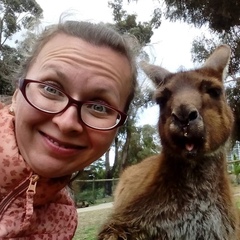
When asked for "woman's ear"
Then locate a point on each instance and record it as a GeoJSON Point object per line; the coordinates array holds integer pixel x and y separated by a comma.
{"type": "Point", "coordinates": [15, 95]}
{"type": "Point", "coordinates": [13, 104]}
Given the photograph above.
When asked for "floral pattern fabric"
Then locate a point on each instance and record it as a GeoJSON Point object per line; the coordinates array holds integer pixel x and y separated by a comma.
{"type": "Point", "coordinates": [48, 214]}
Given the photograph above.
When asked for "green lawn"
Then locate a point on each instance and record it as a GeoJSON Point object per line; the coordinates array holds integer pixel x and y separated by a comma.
{"type": "Point", "coordinates": [237, 198]}
{"type": "Point", "coordinates": [89, 233]}
{"type": "Point", "coordinates": [89, 224]}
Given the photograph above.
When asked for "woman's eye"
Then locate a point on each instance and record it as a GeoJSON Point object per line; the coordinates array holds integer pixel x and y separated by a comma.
{"type": "Point", "coordinates": [50, 91]}
{"type": "Point", "coordinates": [99, 108]}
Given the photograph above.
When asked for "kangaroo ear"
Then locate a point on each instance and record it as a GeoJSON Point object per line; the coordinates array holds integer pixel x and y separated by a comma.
{"type": "Point", "coordinates": [155, 73]}
{"type": "Point", "coordinates": [219, 60]}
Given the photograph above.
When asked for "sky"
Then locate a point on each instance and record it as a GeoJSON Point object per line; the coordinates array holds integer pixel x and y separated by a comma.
{"type": "Point", "coordinates": [170, 45]}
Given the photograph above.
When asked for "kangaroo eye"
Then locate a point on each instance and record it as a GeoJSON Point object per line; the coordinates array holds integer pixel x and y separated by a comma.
{"type": "Point", "coordinates": [161, 101]}
{"type": "Point", "coordinates": [214, 92]}
{"type": "Point", "coordinates": [163, 97]}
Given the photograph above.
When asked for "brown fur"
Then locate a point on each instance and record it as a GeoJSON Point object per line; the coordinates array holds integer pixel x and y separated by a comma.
{"type": "Point", "coordinates": [184, 192]}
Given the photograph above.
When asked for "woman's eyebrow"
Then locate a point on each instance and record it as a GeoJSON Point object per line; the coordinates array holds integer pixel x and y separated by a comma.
{"type": "Point", "coordinates": [56, 70]}
{"type": "Point", "coordinates": [98, 90]}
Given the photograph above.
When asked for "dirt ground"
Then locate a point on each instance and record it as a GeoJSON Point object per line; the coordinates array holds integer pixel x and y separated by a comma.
{"type": "Point", "coordinates": [236, 190]}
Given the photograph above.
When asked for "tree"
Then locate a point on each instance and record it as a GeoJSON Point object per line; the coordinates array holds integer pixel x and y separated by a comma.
{"type": "Point", "coordinates": [127, 23]}
{"type": "Point", "coordinates": [125, 137]}
{"type": "Point", "coordinates": [143, 31]}
{"type": "Point", "coordinates": [236, 169]}
{"type": "Point", "coordinates": [144, 143]}
{"type": "Point", "coordinates": [9, 60]}
{"type": "Point", "coordinates": [15, 16]}
{"type": "Point", "coordinates": [220, 15]}
{"type": "Point", "coordinates": [233, 94]}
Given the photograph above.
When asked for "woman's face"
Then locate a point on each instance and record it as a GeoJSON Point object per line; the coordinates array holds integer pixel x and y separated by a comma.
{"type": "Point", "coordinates": [58, 145]}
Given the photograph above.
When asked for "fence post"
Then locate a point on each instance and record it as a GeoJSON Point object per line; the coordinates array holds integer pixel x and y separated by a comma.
{"type": "Point", "coordinates": [113, 185]}
{"type": "Point", "coordinates": [93, 189]}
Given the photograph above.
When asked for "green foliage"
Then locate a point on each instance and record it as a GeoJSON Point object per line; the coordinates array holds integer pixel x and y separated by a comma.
{"type": "Point", "coordinates": [87, 195]}
{"type": "Point", "coordinates": [203, 46]}
{"type": "Point", "coordinates": [127, 23]}
{"type": "Point", "coordinates": [10, 58]}
{"type": "Point", "coordinates": [97, 169]}
{"type": "Point", "coordinates": [92, 190]}
{"type": "Point", "coordinates": [236, 168]}
{"type": "Point", "coordinates": [15, 16]}
{"type": "Point", "coordinates": [233, 95]}
{"type": "Point", "coordinates": [220, 15]}
{"type": "Point", "coordinates": [144, 143]}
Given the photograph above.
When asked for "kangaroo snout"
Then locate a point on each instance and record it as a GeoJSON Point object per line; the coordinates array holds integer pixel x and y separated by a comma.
{"type": "Point", "coordinates": [185, 115]}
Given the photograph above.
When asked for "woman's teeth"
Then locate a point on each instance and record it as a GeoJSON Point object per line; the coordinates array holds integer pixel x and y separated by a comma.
{"type": "Point", "coordinates": [57, 143]}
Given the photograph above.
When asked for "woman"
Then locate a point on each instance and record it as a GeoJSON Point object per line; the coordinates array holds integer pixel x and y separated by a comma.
{"type": "Point", "coordinates": [74, 91]}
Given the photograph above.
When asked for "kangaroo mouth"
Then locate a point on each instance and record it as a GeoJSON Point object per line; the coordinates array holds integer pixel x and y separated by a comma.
{"type": "Point", "coordinates": [190, 150]}
{"type": "Point", "coordinates": [189, 147]}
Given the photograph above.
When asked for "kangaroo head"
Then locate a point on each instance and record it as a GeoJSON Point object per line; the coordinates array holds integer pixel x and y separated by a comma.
{"type": "Point", "coordinates": [195, 119]}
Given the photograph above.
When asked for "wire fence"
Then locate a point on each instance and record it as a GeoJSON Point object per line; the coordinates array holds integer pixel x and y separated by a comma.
{"type": "Point", "coordinates": [93, 191]}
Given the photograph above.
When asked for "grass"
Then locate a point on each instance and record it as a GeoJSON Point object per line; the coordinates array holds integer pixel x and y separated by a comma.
{"type": "Point", "coordinates": [237, 200]}
{"type": "Point", "coordinates": [88, 233]}
{"type": "Point", "coordinates": [89, 224]}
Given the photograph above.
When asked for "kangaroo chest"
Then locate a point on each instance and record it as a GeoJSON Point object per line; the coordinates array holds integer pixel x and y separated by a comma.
{"type": "Point", "coordinates": [187, 219]}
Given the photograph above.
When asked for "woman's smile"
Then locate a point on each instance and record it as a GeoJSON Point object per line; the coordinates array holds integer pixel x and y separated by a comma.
{"type": "Point", "coordinates": [61, 147]}
{"type": "Point", "coordinates": [62, 144]}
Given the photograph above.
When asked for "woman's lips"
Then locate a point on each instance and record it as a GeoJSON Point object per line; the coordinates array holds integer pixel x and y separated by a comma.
{"type": "Point", "coordinates": [62, 144]}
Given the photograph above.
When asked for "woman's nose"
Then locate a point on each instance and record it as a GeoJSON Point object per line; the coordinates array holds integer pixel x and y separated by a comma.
{"type": "Point", "coordinates": [68, 121]}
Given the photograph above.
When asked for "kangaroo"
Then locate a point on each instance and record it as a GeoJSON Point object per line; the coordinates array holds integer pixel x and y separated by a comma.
{"type": "Point", "coordinates": [184, 192]}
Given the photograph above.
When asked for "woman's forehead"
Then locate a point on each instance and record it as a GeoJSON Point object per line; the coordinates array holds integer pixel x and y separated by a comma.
{"type": "Point", "coordinates": [69, 58]}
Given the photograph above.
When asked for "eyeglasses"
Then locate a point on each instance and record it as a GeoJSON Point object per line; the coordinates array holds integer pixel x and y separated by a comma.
{"type": "Point", "coordinates": [50, 99]}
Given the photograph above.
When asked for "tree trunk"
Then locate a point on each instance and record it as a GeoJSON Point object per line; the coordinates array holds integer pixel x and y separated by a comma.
{"type": "Point", "coordinates": [116, 160]}
{"type": "Point", "coordinates": [108, 184]}
{"type": "Point", "coordinates": [123, 160]}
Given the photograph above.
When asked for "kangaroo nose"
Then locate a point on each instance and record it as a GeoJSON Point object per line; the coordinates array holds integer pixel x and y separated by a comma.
{"type": "Point", "coordinates": [185, 116]}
